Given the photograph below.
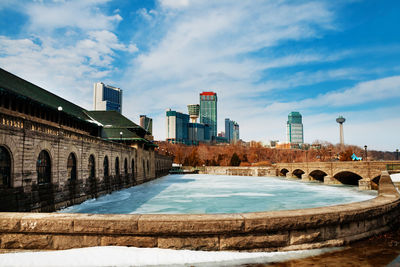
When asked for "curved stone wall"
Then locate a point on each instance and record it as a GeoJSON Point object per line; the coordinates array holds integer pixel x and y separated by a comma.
{"type": "Point", "coordinates": [261, 231]}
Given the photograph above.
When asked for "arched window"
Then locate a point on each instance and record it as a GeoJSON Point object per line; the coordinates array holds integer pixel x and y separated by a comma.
{"type": "Point", "coordinates": [92, 167]}
{"type": "Point", "coordinates": [116, 166]}
{"type": "Point", "coordinates": [148, 166]}
{"type": "Point", "coordinates": [71, 167]}
{"type": "Point", "coordinates": [5, 167]}
{"type": "Point", "coordinates": [133, 168]}
{"type": "Point", "coordinates": [144, 169]}
{"type": "Point", "coordinates": [43, 167]}
{"type": "Point", "coordinates": [126, 167]}
{"type": "Point", "coordinates": [105, 165]}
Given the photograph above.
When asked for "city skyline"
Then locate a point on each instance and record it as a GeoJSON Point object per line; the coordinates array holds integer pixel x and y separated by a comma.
{"type": "Point", "coordinates": [264, 59]}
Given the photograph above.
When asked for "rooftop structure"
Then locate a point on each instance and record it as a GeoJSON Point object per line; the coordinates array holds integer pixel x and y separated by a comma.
{"type": "Point", "coordinates": [194, 112]}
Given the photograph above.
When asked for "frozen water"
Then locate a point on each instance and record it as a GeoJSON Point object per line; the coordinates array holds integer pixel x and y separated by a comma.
{"type": "Point", "coordinates": [395, 177]}
{"type": "Point", "coordinates": [197, 193]}
{"type": "Point", "coordinates": [130, 256]}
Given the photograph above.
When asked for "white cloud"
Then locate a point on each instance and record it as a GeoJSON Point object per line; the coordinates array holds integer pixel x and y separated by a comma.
{"type": "Point", "coordinates": [84, 15]}
{"type": "Point", "coordinates": [363, 92]}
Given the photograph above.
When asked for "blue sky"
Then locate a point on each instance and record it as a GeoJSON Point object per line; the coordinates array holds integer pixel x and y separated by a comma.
{"type": "Point", "coordinates": [263, 58]}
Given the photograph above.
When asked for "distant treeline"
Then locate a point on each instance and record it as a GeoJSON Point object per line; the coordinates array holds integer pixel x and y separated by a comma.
{"type": "Point", "coordinates": [256, 154]}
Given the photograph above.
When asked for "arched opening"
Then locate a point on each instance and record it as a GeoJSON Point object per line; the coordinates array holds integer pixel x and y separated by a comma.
{"type": "Point", "coordinates": [318, 175]}
{"type": "Point", "coordinates": [43, 168]}
{"type": "Point", "coordinates": [92, 176]}
{"type": "Point", "coordinates": [133, 170]}
{"type": "Point", "coordinates": [5, 167]}
{"type": "Point", "coordinates": [298, 173]}
{"type": "Point", "coordinates": [92, 167]}
{"type": "Point", "coordinates": [144, 170]}
{"type": "Point", "coordinates": [71, 167]}
{"type": "Point", "coordinates": [283, 172]}
{"type": "Point", "coordinates": [106, 173]}
{"type": "Point", "coordinates": [126, 171]}
{"type": "Point", "coordinates": [349, 178]}
{"type": "Point", "coordinates": [117, 166]}
{"type": "Point", "coordinates": [148, 167]}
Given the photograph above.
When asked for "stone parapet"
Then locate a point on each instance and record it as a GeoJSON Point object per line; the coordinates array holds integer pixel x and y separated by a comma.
{"type": "Point", "coordinates": [257, 231]}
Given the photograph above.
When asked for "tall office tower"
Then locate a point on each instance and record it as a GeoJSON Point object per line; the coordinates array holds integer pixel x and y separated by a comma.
{"type": "Point", "coordinates": [229, 129]}
{"type": "Point", "coordinates": [194, 111]}
{"type": "Point", "coordinates": [107, 97]}
{"type": "Point", "coordinates": [208, 111]}
{"type": "Point", "coordinates": [146, 123]}
{"type": "Point", "coordinates": [294, 128]}
{"type": "Point", "coordinates": [177, 127]}
{"type": "Point", "coordinates": [236, 136]}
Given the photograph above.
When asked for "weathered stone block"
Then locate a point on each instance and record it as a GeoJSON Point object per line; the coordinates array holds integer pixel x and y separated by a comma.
{"type": "Point", "coordinates": [194, 243]}
{"type": "Point", "coordinates": [43, 223]}
{"type": "Point", "coordinates": [246, 242]}
{"type": "Point", "coordinates": [306, 236]}
{"type": "Point", "coordinates": [25, 241]}
{"type": "Point", "coordinates": [190, 224]}
{"type": "Point", "coordinates": [10, 222]}
{"type": "Point", "coordinates": [105, 224]}
{"type": "Point", "coordinates": [74, 241]}
{"type": "Point", "coordinates": [130, 241]}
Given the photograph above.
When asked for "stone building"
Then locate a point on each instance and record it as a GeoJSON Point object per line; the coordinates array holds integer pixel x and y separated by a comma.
{"type": "Point", "coordinates": [54, 153]}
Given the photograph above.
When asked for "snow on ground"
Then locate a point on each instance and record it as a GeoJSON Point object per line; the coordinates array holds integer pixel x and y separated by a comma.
{"type": "Point", "coordinates": [131, 256]}
{"type": "Point", "coordinates": [395, 177]}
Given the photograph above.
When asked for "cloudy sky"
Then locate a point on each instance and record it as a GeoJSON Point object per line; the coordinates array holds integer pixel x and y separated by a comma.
{"type": "Point", "coordinates": [263, 58]}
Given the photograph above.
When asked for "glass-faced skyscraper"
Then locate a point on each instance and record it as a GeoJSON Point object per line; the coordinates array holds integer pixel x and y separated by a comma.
{"type": "Point", "coordinates": [208, 111]}
{"type": "Point", "coordinates": [294, 128]}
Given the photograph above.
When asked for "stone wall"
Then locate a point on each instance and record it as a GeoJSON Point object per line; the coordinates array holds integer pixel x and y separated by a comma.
{"type": "Point", "coordinates": [241, 171]}
{"type": "Point", "coordinates": [261, 231]}
{"type": "Point", "coordinates": [25, 140]}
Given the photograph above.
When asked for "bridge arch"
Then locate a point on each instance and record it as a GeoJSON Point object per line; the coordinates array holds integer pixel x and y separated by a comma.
{"type": "Point", "coordinates": [283, 172]}
{"type": "Point", "coordinates": [318, 175]}
{"type": "Point", "coordinates": [298, 173]}
{"type": "Point", "coordinates": [347, 177]}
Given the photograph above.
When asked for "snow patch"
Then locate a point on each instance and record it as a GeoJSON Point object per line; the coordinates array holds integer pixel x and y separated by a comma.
{"type": "Point", "coordinates": [131, 256]}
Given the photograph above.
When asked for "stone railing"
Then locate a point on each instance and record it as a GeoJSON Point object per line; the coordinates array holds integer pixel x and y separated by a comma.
{"type": "Point", "coordinates": [260, 231]}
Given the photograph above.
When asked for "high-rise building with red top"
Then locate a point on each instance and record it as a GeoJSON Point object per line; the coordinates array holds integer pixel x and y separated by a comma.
{"type": "Point", "coordinates": [208, 111]}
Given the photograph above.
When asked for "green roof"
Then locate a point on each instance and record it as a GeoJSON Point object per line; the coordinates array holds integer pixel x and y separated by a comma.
{"type": "Point", "coordinates": [25, 89]}
{"type": "Point", "coordinates": [113, 122]}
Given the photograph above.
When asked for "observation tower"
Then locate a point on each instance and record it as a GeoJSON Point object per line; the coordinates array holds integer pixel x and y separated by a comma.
{"type": "Point", "coordinates": [341, 120]}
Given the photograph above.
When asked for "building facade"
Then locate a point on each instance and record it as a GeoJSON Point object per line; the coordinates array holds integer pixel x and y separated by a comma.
{"type": "Point", "coordinates": [106, 97]}
{"type": "Point", "coordinates": [294, 128]}
{"type": "Point", "coordinates": [208, 111]}
{"type": "Point", "coordinates": [231, 131]}
{"type": "Point", "coordinates": [146, 123]}
{"type": "Point", "coordinates": [54, 153]}
{"type": "Point", "coordinates": [177, 125]}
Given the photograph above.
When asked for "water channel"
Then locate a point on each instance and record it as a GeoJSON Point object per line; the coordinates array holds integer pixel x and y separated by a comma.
{"type": "Point", "coordinates": [188, 194]}
{"type": "Point", "coordinates": [197, 193]}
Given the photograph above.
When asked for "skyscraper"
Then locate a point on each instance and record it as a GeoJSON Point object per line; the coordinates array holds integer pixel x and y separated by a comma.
{"type": "Point", "coordinates": [177, 127]}
{"type": "Point", "coordinates": [229, 129]}
{"type": "Point", "coordinates": [294, 128]}
{"type": "Point", "coordinates": [106, 97]}
{"type": "Point", "coordinates": [208, 111]}
{"type": "Point", "coordinates": [146, 123]}
{"type": "Point", "coordinates": [236, 136]}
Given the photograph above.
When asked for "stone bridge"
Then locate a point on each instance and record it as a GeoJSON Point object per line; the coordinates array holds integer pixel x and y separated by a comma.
{"type": "Point", "coordinates": [365, 174]}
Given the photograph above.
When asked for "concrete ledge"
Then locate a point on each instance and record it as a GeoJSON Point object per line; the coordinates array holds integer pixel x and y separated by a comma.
{"type": "Point", "coordinates": [259, 231]}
